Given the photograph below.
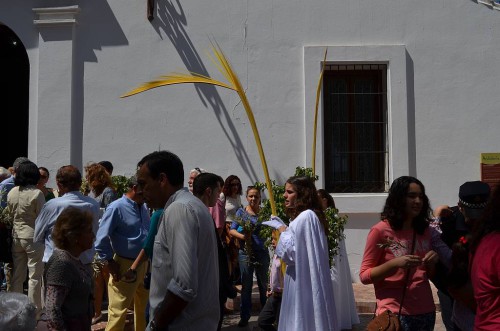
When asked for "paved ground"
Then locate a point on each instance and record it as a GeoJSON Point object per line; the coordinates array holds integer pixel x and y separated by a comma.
{"type": "Point", "coordinates": [365, 302]}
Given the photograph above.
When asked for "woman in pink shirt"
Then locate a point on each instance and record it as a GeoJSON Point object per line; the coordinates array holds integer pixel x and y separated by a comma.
{"type": "Point", "coordinates": [485, 274]}
{"type": "Point", "coordinates": [398, 254]}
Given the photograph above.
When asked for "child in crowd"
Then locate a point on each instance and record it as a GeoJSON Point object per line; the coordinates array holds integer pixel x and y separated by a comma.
{"type": "Point", "coordinates": [271, 312]}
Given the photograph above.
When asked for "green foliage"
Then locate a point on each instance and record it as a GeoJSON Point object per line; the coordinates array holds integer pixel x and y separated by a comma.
{"type": "Point", "coordinates": [301, 171]}
{"type": "Point", "coordinates": [336, 223]}
{"type": "Point", "coordinates": [121, 184]}
{"type": "Point", "coordinates": [265, 210]}
{"type": "Point", "coordinates": [336, 226]}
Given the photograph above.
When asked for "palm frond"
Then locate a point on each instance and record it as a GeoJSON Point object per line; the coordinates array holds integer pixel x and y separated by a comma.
{"type": "Point", "coordinates": [318, 91]}
{"type": "Point", "coordinates": [176, 78]}
{"type": "Point", "coordinates": [229, 73]}
{"type": "Point", "coordinates": [223, 65]}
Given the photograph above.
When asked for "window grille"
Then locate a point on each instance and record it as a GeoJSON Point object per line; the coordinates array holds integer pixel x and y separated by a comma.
{"type": "Point", "coordinates": [355, 128]}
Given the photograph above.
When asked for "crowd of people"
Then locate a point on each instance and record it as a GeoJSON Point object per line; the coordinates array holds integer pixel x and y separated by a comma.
{"type": "Point", "coordinates": [175, 254]}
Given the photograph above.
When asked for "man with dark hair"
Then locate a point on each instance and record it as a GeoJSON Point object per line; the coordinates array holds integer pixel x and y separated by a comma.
{"type": "Point", "coordinates": [184, 279]}
{"type": "Point", "coordinates": [108, 166]}
{"type": "Point", "coordinates": [122, 231]}
{"type": "Point", "coordinates": [455, 223]}
{"type": "Point", "coordinates": [207, 187]}
{"type": "Point", "coordinates": [69, 181]}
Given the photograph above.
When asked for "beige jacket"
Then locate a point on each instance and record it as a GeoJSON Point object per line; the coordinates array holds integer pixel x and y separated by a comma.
{"type": "Point", "coordinates": [23, 206]}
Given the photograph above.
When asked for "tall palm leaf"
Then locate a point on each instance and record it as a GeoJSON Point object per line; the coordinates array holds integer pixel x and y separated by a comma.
{"type": "Point", "coordinates": [318, 91]}
{"type": "Point", "coordinates": [234, 84]}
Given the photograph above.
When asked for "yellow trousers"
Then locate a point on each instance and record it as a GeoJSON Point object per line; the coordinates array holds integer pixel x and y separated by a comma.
{"type": "Point", "coordinates": [121, 295]}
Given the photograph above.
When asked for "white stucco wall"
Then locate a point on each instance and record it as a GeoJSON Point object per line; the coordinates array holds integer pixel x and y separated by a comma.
{"type": "Point", "coordinates": [443, 94]}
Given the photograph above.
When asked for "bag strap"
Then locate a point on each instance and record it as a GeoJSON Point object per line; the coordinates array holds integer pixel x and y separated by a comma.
{"type": "Point", "coordinates": [407, 274]}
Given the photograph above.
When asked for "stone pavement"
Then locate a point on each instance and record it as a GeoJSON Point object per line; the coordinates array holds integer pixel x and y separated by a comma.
{"type": "Point", "coordinates": [365, 303]}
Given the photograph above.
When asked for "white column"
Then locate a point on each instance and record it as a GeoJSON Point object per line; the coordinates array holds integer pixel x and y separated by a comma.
{"type": "Point", "coordinates": [55, 135]}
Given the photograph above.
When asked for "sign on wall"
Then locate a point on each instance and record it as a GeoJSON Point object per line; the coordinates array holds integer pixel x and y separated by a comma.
{"type": "Point", "coordinates": [490, 168]}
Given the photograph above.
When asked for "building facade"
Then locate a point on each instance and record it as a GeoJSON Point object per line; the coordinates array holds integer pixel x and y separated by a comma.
{"type": "Point", "coordinates": [411, 88]}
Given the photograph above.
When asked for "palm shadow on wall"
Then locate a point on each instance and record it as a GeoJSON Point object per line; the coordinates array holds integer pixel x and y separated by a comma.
{"type": "Point", "coordinates": [171, 19]}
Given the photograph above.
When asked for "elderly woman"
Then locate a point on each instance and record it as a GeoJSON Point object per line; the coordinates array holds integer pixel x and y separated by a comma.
{"type": "Point", "coordinates": [68, 284]}
{"type": "Point", "coordinates": [24, 203]}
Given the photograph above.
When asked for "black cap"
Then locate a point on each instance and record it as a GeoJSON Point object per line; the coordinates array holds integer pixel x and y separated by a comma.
{"type": "Point", "coordinates": [474, 195]}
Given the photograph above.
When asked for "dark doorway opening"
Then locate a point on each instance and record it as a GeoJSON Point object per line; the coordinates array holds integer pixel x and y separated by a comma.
{"type": "Point", "coordinates": [14, 96]}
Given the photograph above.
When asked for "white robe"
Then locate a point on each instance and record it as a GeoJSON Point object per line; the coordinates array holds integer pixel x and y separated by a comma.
{"type": "Point", "coordinates": [307, 302]}
{"type": "Point", "coordinates": [347, 314]}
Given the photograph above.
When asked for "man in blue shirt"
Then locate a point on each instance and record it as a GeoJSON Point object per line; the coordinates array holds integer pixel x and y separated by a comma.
{"type": "Point", "coordinates": [69, 181]}
{"type": "Point", "coordinates": [122, 231]}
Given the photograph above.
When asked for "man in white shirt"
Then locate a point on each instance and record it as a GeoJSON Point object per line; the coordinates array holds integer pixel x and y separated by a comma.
{"type": "Point", "coordinates": [185, 278]}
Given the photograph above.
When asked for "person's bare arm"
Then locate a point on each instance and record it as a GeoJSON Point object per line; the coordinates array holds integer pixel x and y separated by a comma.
{"type": "Point", "coordinates": [236, 234]}
{"type": "Point", "coordinates": [131, 274]}
{"type": "Point", "coordinates": [171, 307]}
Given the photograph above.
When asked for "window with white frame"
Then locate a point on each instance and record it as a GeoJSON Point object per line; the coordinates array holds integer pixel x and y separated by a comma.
{"type": "Point", "coordinates": [355, 128]}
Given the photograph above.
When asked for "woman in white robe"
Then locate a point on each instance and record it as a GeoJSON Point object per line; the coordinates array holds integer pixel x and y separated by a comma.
{"type": "Point", "coordinates": [307, 302]}
{"type": "Point", "coordinates": [347, 314]}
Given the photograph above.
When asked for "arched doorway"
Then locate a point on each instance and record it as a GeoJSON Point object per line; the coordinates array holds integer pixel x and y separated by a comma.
{"type": "Point", "coordinates": [14, 96]}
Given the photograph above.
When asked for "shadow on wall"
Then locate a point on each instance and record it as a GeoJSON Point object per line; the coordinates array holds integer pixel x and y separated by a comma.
{"type": "Point", "coordinates": [170, 18]}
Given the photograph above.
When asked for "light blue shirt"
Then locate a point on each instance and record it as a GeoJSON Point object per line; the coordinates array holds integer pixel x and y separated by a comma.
{"type": "Point", "coordinates": [185, 262]}
{"type": "Point", "coordinates": [5, 186]}
{"type": "Point", "coordinates": [46, 220]}
{"type": "Point", "coordinates": [122, 229]}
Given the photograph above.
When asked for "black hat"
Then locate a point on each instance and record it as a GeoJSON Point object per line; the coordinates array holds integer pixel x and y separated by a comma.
{"type": "Point", "coordinates": [474, 195]}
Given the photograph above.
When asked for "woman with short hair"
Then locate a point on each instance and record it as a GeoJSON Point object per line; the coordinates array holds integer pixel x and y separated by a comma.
{"type": "Point", "coordinates": [24, 203]}
{"type": "Point", "coordinates": [68, 283]}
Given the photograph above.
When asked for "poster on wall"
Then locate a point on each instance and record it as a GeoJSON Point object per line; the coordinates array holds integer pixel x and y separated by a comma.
{"type": "Point", "coordinates": [490, 168]}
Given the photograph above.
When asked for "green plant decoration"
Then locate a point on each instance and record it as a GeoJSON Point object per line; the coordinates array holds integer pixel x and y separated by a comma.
{"type": "Point", "coordinates": [121, 184]}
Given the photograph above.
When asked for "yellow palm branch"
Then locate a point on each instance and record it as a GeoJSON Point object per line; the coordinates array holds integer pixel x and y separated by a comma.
{"type": "Point", "coordinates": [176, 78]}
{"type": "Point", "coordinates": [315, 127]}
{"type": "Point", "coordinates": [234, 84]}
